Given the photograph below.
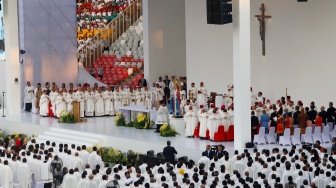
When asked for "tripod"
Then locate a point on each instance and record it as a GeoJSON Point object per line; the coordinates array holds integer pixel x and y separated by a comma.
{"type": "Point", "coordinates": [3, 104]}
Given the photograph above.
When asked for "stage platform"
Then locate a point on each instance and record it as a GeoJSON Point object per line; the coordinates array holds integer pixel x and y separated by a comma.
{"type": "Point", "coordinates": [104, 132]}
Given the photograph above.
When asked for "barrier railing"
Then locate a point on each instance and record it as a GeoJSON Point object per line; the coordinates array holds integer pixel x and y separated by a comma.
{"type": "Point", "coordinates": [94, 47]}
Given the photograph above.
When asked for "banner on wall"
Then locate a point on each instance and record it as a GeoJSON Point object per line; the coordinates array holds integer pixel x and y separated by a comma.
{"type": "Point", "coordinates": [2, 35]}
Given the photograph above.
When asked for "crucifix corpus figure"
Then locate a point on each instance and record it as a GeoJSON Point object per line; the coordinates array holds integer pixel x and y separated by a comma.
{"type": "Point", "coordinates": [262, 28]}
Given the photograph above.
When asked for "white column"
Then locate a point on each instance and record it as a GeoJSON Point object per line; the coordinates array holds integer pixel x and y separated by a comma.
{"type": "Point", "coordinates": [241, 72]}
{"type": "Point", "coordinates": [13, 91]}
{"type": "Point", "coordinates": [145, 15]}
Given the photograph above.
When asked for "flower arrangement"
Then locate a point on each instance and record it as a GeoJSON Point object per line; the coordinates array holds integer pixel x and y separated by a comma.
{"type": "Point", "coordinates": [142, 121]}
{"type": "Point", "coordinates": [166, 130]}
{"type": "Point", "coordinates": [25, 138]}
{"type": "Point", "coordinates": [120, 119]}
{"type": "Point", "coordinates": [112, 155]}
{"type": "Point", "coordinates": [67, 117]}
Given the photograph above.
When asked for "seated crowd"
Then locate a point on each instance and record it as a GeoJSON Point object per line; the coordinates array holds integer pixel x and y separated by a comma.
{"type": "Point", "coordinates": [29, 164]}
{"type": "Point", "coordinates": [92, 16]}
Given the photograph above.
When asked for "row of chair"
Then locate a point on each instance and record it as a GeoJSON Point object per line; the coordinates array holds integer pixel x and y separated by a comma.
{"type": "Point", "coordinates": [311, 135]}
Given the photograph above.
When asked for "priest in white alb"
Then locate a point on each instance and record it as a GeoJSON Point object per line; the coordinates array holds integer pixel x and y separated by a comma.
{"type": "Point", "coordinates": [69, 100]}
{"type": "Point", "coordinates": [99, 103]}
{"type": "Point", "coordinates": [79, 97]}
{"type": "Point", "coordinates": [116, 99]}
{"type": "Point", "coordinates": [190, 118]}
{"type": "Point", "coordinates": [44, 101]}
{"type": "Point", "coordinates": [202, 118]}
{"type": "Point", "coordinates": [202, 95]}
{"type": "Point", "coordinates": [29, 96]}
{"type": "Point", "coordinates": [24, 175]}
{"type": "Point", "coordinates": [60, 105]}
{"type": "Point", "coordinates": [6, 176]}
{"type": "Point", "coordinates": [212, 124]}
{"type": "Point", "coordinates": [108, 101]}
{"type": "Point", "coordinates": [89, 102]}
{"type": "Point", "coordinates": [70, 180]}
{"type": "Point", "coordinates": [192, 92]}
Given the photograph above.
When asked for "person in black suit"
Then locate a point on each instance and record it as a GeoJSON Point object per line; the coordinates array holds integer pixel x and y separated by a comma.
{"type": "Point", "coordinates": [312, 114]}
{"type": "Point", "coordinates": [169, 153]}
{"type": "Point", "coordinates": [331, 113]}
{"type": "Point", "coordinates": [143, 81]}
{"type": "Point", "coordinates": [166, 89]}
{"type": "Point", "coordinates": [220, 151]}
{"type": "Point", "coordinates": [296, 115]}
{"type": "Point", "coordinates": [209, 153]}
{"type": "Point", "coordinates": [324, 115]}
{"type": "Point", "coordinates": [254, 125]}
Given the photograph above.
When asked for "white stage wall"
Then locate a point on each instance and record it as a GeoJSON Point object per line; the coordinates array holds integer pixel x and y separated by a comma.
{"type": "Point", "coordinates": [2, 79]}
{"type": "Point", "coordinates": [49, 39]}
{"type": "Point", "coordinates": [300, 50]}
{"type": "Point", "coordinates": [164, 29]}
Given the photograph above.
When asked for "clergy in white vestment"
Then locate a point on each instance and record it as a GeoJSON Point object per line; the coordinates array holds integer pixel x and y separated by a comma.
{"type": "Point", "coordinates": [70, 180]}
{"type": "Point", "coordinates": [212, 124]}
{"type": "Point", "coordinates": [192, 91]}
{"type": "Point", "coordinates": [84, 155]}
{"type": "Point", "coordinates": [116, 99]}
{"type": "Point", "coordinates": [124, 96]}
{"type": "Point", "coordinates": [79, 97]}
{"type": "Point", "coordinates": [46, 174]}
{"type": "Point", "coordinates": [15, 166]}
{"type": "Point", "coordinates": [24, 174]}
{"type": "Point", "coordinates": [148, 98]}
{"type": "Point", "coordinates": [204, 160]}
{"type": "Point", "coordinates": [60, 105]}
{"type": "Point", "coordinates": [53, 95]}
{"type": "Point", "coordinates": [103, 182]}
{"type": "Point", "coordinates": [29, 96]}
{"type": "Point", "coordinates": [231, 115]}
{"type": "Point", "coordinates": [83, 182]}
{"type": "Point", "coordinates": [131, 97]}
{"type": "Point", "coordinates": [108, 101]}
{"type": "Point", "coordinates": [259, 97]}
{"type": "Point", "coordinates": [139, 97]}
{"type": "Point", "coordinates": [239, 165]}
{"type": "Point", "coordinates": [159, 93]}
{"type": "Point", "coordinates": [203, 118]}
{"type": "Point", "coordinates": [162, 116]}
{"type": "Point", "coordinates": [44, 102]}
{"type": "Point", "coordinates": [69, 100]}
{"type": "Point", "coordinates": [6, 176]}
{"type": "Point", "coordinates": [89, 102]}
{"type": "Point", "coordinates": [93, 158]}
{"type": "Point", "coordinates": [190, 118]}
{"type": "Point", "coordinates": [78, 162]}
{"type": "Point", "coordinates": [202, 95]}
{"type": "Point", "coordinates": [99, 103]}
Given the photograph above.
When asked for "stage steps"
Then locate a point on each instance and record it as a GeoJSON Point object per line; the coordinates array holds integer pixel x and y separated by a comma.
{"type": "Point", "coordinates": [66, 136]}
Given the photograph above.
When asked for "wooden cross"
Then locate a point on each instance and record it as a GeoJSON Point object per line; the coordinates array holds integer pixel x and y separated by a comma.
{"type": "Point", "coordinates": [262, 28]}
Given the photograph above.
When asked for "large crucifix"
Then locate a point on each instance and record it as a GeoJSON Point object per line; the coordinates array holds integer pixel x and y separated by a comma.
{"type": "Point", "coordinates": [262, 28]}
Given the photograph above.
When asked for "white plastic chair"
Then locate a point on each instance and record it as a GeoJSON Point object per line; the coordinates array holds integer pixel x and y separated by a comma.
{"type": "Point", "coordinates": [128, 53]}
{"type": "Point", "coordinates": [317, 134]}
{"type": "Point", "coordinates": [307, 138]}
{"type": "Point", "coordinates": [285, 139]}
{"type": "Point", "coordinates": [271, 136]}
{"type": "Point", "coordinates": [333, 134]}
{"type": "Point", "coordinates": [122, 64]}
{"type": "Point", "coordinates": [325, 134]}
{"type": "Point", "coordinates": [260, 138]}
{"type": "Point", "coordinates": [295, 139]}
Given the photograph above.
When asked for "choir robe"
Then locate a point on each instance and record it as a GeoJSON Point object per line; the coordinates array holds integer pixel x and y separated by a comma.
{"type": "Point", "coordinates": [79, 97]}
{"type": "Point", "coordinates": [44, 104]}
{"type": "Point", "coordinates": [6, 177]}
{"type": "Point", "coordinates": [89, 103]}
{"type": "Point", "coordinates": [139, 98]}
{"type": "Point", "coordinates": [108, 103]}
{"type": "Point", "coordinates": [99, 104]}
{"type": "Point", "coordinates": [202, 96]}
{"type": "Point", "coordinates": [212, 125]}
{"type": "Point", "coordinates": [124, 97]}
{"type": "Point", "coordinates": [69, 100]}
{"type": "Point", "coordinates": [131, 99]}
{"type": "Point", "coordinates": [203, 118]}
{"type": "Point", "coordinates": [60, 106]}
{"type": "Point", "coordinates": [190, 119]}
{"type": "Point", "coordinates": [117, 100]}
{"type": "Point", "coordinates": [53, 96]}
{"type": "Point", "coordinates": [24, 176]}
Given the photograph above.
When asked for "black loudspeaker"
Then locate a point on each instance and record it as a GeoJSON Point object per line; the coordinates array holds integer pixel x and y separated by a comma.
{"type": "Point", "coordinates": [209, 8]}
{"type": "Point", "coordinates": [302, 0]}
{"type": "Point", "coordinates": [219, 12]}
{"type": "Point", "coordinates": [150, 153]}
